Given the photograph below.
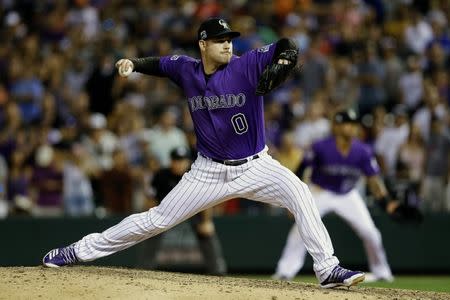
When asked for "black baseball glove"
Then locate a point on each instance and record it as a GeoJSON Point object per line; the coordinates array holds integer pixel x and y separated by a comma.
{"type": "Point", "coordinates": [405, 213]}
{"type": "Point", "coordinates": [276, 73]}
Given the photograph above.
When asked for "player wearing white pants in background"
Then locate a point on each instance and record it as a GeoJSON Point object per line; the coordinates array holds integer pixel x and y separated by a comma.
{"type": "Point", "coordinates": [228, 117]}
{"type": "Point", "coordinates": [352, 209]}
{"type": "Point", "coordinates": [337, 163]}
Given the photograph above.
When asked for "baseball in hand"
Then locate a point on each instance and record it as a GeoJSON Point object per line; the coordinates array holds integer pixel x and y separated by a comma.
{"type": "Point", "coordinates": [125, 67]}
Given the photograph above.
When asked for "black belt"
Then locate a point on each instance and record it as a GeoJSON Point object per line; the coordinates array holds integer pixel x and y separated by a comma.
{"type": "Point", "coordinates": [232, 162]}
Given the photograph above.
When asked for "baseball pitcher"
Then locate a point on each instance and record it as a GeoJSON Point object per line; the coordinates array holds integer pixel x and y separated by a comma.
{"type": "Point", "coordinates": [225, 97]}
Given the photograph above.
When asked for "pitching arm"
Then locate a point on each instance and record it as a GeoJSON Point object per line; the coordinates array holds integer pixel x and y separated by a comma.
{"type": "Point", "coordinates": [146, 65]}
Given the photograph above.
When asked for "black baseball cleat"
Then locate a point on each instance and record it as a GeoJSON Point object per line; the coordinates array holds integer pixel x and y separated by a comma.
{"type": "Point", "coordinates": [342, 277]}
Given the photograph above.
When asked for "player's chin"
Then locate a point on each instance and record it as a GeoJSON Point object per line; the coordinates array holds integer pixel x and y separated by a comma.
{"type": "Point", "coordinates": [225, 58]}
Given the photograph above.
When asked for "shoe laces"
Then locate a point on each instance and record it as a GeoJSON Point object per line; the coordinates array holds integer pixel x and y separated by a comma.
{"type": "Point", "coordinates": [338, 272]}
{"type": "Point", "coordinates": [68, 255]}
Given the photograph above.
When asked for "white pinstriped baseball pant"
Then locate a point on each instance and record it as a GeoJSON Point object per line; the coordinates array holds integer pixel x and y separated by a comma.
{"type": "Point", "coordinates": [209, 183]}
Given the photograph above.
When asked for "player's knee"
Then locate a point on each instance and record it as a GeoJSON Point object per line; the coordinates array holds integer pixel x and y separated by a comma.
{"type": "Point", "coordinates": [371, 235]}
{"type": "Point", "coordinates": [304, 185]}
{"type": "Point", "coordinates": [301, 191]}
{"type": "Point", "coordinates": [297, 191]}
{"type": "Point", "coordinates": [158, 221]}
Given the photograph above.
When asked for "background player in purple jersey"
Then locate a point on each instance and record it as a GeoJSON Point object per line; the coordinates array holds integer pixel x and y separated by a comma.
{"type": "Point", "coordinates": [221, 91]}
{"type": "Point", "coordinates": [337, 163]}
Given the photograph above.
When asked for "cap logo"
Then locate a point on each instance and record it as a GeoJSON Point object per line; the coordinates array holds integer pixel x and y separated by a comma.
{"type": "Point", "coordinates": [203, 35]}
{"type": "Point", "coordinates": [224, 24]}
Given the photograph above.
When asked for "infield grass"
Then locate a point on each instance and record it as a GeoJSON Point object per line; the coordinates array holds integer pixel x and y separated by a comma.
{"type": "Point", "coordinates": [436, 283]}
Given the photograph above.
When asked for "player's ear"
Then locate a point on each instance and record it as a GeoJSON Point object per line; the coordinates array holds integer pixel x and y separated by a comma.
{"type": "Point", "coordinates": [202, 45]}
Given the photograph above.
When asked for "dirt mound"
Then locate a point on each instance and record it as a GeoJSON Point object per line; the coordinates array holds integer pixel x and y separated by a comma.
{"type": "Point", "coordinates": [115, 283]}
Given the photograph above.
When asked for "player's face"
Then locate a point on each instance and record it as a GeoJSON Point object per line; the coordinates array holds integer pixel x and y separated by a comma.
{"type": "Point", "coordinates": [218, 51]}
{"type": "Point", "coordinates": [348, 130]}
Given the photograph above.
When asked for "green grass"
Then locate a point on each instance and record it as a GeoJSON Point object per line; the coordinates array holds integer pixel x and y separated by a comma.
{"type": "Point", "coordinates": [436, 283]}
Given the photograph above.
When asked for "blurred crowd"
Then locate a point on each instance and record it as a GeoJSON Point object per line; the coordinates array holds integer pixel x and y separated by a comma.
{"type": "Point", "coordinates": [78, 140]}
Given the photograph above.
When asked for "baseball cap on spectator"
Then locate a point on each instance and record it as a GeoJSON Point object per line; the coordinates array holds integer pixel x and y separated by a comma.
{"type": "Point", "coordinates": [180, 153]}
{"type": "Point", "coordinates": [345, 116]}
{"type": "Point", "coordinates": [215, 28]}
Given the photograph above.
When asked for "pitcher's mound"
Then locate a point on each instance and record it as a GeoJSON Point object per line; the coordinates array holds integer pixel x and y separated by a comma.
{"type": "Point", "coordinates": [84, 282]}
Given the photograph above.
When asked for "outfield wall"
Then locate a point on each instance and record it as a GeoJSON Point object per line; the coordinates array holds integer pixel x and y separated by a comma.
{"type": "Point", "coordinates": [250, 243]}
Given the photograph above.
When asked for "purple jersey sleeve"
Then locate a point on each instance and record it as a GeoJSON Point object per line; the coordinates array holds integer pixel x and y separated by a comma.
{"type": "Point", "coordinates": [369, 164]}
{"type": "Point", "coordinates": [255, 61]}
{"type": "Point", "coordinates": [174, 66]}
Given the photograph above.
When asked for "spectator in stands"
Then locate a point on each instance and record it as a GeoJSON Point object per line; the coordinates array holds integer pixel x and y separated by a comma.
{"type": "Point", "coordinates": [418, 33]}
{"type": "Point", "coordinates": [77, 190]}
{"type": "Point", "coordinates": [116, 185]}
{"type": "Point", "coordinates": [432, 107]}
{"type": "Point", "coordinates": [436, 167]}
{"type": "Point", "coordinates": [100, 143]}
{"type": "Point", "coordinates": [390, 139]}
{"type": "Point", "coordinates": [47, 183]}
{"type": "Point", "coordinates": [272, 115]}
{"type": "Point", "coordinates": [12, 121]}
{"type": "Point", "coordinates": [412, 155]}
{"type": "Point", "coordinates": [19, 180]}
{"type": "Point", "coordinates": [411, 83]}
{"type": "Point", "coordinates": [315, 125]}
{"type": "Point", "coordinates": [56, 68]}
{"type": "Point", "coordinates": [343, 89]}
{"type": "Point", "coordinates": [288, 154]}
{"type": "Point", "coordinates": [315, 74]}
{"type": "Point", "coordinates": [27, 90]}
{"type": "Point", "coordinates": [393, 68]}
{"type": "Point", "coordinates": [370, 77]}
{"type": "Point", "coordinates": [164, 136]}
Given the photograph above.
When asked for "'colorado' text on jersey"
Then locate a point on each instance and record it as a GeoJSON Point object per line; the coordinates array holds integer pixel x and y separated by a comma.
{"type": "Point", "coordinates": [336, 172]}
{"type": "Point", "coordinates": [228, 116]}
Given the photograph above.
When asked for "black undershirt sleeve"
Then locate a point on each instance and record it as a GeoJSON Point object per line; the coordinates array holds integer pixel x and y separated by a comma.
{"type": "Point", "coordinates": [283, 45]}
{"type": "Point", "coordinates": [147, 65]}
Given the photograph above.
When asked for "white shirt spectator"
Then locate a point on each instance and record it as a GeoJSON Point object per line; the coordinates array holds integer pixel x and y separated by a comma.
{"type": "Point", "coordinates": [422, 119]}
{"type": "Point", "coordinates": [309, 131]}
{"type": "Point", "coordinates": [417, 36]}
{"type": "Point", "coordinates": [161, 142]}
{"type": "Point", "coordinates": [100, 143]}
{"type": "Point", "coordinates": [411, 86]}
{"type": "Point", "coordinates": [88, 18]}
{"type": "Point", "coordinates": [77, 192]}
{"type": "Point", "coordinates": [388, 144]}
